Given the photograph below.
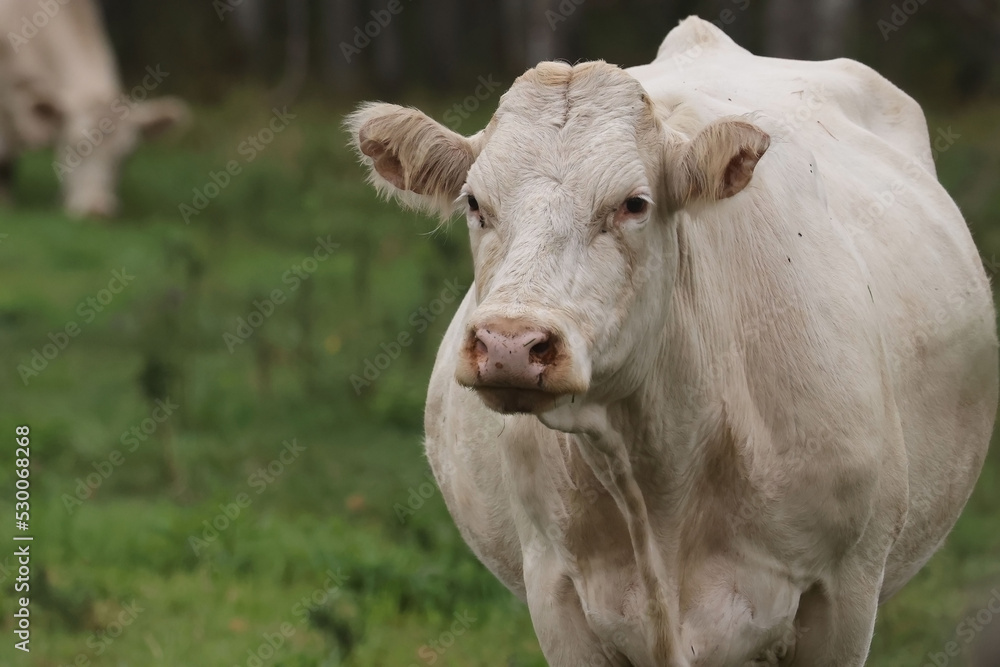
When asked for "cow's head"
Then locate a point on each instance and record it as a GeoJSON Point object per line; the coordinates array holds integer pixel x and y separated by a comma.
{"type": "Point", "coordinates": [93, 144]}
{"type": "Point", "coordinates": [572, 195]}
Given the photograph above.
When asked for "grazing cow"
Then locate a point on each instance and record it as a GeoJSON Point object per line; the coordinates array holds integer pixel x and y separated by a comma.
{"type": "Point", "coordinates": [728, 370]}
{"type": "Point", "coordinates": [59, 87]}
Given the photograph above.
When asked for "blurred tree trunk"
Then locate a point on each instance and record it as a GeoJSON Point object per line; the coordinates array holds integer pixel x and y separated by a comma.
{"type": "Point", "coordinates": [491, 36]}
{"type": "Point", "coordinates": [789, 28]}
{"type": "Point", "coordinates": [388, 52]}
{"type": "Point", "coordinates": [296, 52]}
{"type": "Point", "coordinates": [339, 18]}
{"type": "Point", "coordinates": [979, 53]}
{"type": "Point", "coordinates": [513, 35]}
{"type": "Point", "coordinates": [249, 19]}
{"type": "Point", "coordinates": [733, 17]}
{"type": "Point", "coordinates": [542, 43]}
{"type": "Point", "coordinates": [441, 28]}
{"type": "Point", "coordinates": [809, 30]}
{"type": "Point", "coordinates": [836, 18]}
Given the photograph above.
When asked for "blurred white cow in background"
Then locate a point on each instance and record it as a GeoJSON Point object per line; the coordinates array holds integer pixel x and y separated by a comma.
{"type": "Point", "coordinates": [59, 86]}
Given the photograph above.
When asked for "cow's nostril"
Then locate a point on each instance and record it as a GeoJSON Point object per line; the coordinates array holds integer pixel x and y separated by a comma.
{"type": "Point", "coordinates": [543, 352]}
{"type": "Point", "coordinates": [481, 348]}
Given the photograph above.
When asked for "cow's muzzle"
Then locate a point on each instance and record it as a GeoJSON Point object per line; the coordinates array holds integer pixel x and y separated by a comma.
{"type": "Point", "coordinates": [516, 366]}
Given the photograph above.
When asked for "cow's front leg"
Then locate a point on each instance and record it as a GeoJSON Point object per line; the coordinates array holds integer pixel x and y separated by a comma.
{"type": "Point", "coordinates": [836, 621]}
{"type": "Point", "coordinates": [564, 634]}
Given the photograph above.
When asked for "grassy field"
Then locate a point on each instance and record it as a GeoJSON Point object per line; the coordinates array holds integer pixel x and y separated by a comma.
{"type": "Point", "coordinates": [208, 487]}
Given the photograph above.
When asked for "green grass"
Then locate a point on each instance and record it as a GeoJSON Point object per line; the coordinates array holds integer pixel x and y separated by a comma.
{"type": "Point", "coordinates": [334, 508]}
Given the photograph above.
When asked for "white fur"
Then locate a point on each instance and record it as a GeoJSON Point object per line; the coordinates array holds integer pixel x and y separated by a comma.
{"type": "Point", "coordinates": [791, 390]}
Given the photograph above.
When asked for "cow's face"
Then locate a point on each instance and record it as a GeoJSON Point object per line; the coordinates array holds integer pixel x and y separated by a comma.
{"type": "Point", "coordinates": [94, 145]}
{"type": "Point", "coordinates": [571, 195]}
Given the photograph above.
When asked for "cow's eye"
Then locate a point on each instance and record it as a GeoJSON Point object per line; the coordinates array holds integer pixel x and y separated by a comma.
{"type": "Point", "coordinates": [632, 213]}
{"type": "Point", "coordinates": [635, 205]}
{"type": "Point", "coordinates": [473, 204]}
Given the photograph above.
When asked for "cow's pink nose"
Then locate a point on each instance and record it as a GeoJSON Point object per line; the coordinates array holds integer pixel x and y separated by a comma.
{"type": "Point", "coordinates": [512, 357]}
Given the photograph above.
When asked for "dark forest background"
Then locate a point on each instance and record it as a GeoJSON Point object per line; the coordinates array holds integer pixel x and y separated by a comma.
{"type": "Point", "coordinates": [942, 50]}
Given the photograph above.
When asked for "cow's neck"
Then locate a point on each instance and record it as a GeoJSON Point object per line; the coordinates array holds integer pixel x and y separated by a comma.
{"type": "Point", "coordinates": [696, 382]}
{"type": "Point", "coordinates": [695, 400]}
{"type": "Point", "coordinates": [604, 446]}
{"type": "Point", "coordinates": [682, 412]}
{"type": "Point", "coordinates": [648, 449]}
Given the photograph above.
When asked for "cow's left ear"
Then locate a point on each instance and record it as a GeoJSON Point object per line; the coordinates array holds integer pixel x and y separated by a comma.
{"type": "Point", "coordinates": [154, 117]}
{"type": "Point", "coordinates": [716, 164]}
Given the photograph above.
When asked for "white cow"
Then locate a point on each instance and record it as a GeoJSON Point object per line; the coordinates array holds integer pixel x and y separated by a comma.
{"type": "Point", "coordinates": [59, 87]}
{"type": "Point", "coordinates": [728, 371]}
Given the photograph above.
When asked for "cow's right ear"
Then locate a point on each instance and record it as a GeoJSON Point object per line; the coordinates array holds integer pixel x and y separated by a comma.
{"type": "Point", "coordinates": [411, 157]}
{"type": "Point", "coordinates": [156, 116]}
